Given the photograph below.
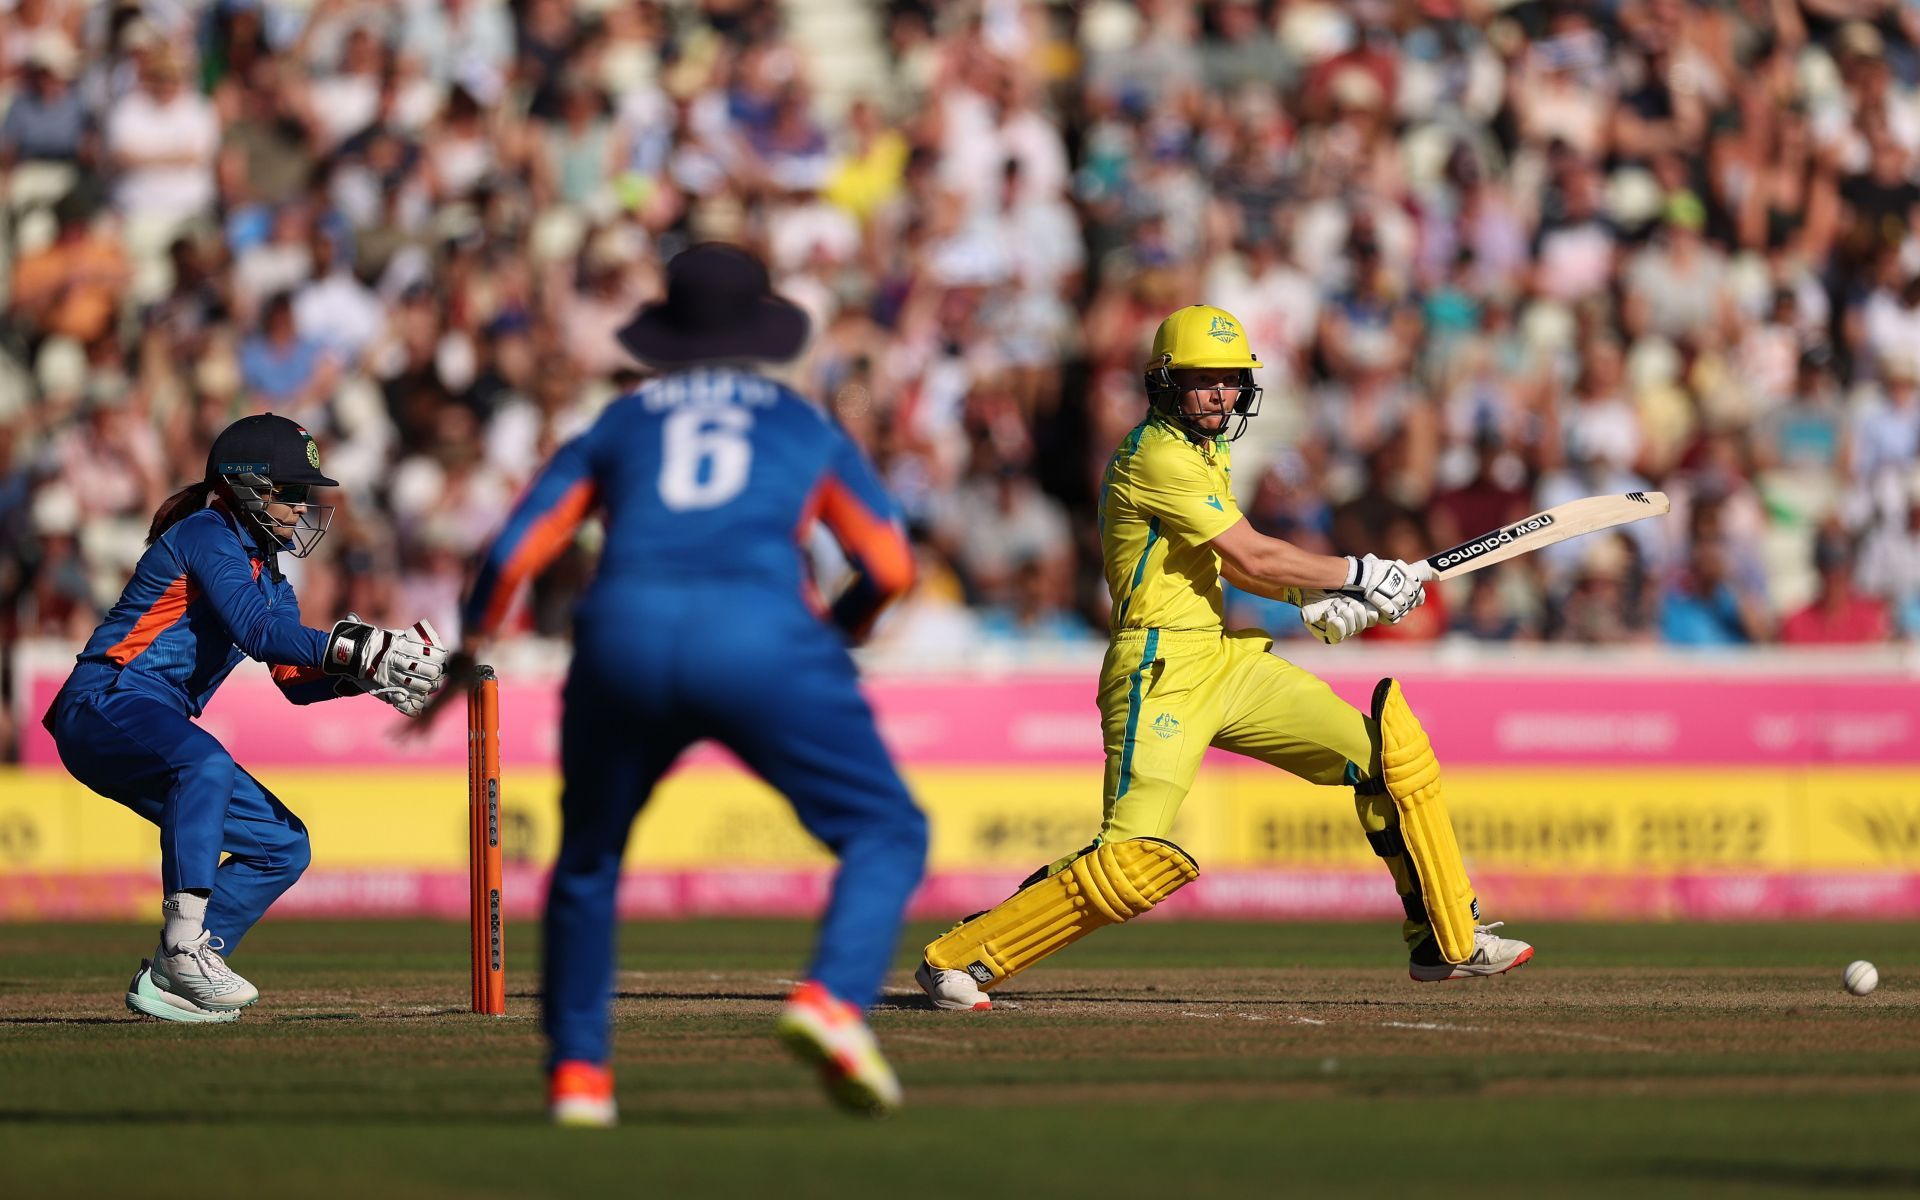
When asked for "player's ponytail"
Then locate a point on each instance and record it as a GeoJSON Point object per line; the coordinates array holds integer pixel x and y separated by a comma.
{"type": "Point", "coordinates": [177, 507]}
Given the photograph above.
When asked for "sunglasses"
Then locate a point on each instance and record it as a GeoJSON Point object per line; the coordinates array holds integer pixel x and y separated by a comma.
{"type": "Point", "coordinates": [293, 493]}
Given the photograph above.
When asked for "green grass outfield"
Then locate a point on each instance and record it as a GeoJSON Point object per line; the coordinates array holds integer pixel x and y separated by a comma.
{"type": "Point", "coordinates": [1196, 1060]}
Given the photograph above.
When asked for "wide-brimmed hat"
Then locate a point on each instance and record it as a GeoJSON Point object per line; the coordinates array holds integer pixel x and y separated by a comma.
{"type": "Point", "coordinates": [719, 305]}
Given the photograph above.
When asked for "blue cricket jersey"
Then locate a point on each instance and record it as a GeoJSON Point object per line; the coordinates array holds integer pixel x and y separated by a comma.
{"type": "Point", "coordinates": [203, 597]}
{"type": "Point", "coordinates": [711, 476]}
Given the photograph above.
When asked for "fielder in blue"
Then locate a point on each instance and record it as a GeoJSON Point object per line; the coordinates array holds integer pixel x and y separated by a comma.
{"type": "Point", "coordinates": [703, 622]}
{"type": "Point", "coordinates": [207, 593]}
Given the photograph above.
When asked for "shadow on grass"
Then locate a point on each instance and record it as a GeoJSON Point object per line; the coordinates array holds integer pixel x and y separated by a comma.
{"type": "Point", "coordinates": [913, 1003]}
{"type": "Point", "coordinates": [763, 997]}
{"type": "Point", "coordinates": [390, 1117]}
{"type": "Point", "coordinates": [1828, 1175]}
{"type": "Point", "coordinates": [126, 1020]}
{"type": "Point", "coordinates": [1082, 995]}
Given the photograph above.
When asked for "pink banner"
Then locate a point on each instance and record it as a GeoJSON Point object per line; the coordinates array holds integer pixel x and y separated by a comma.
{"type": "Point", "coordinates": [1690, 718]}
{"type": "Point", "coordinates": [1247, 894]}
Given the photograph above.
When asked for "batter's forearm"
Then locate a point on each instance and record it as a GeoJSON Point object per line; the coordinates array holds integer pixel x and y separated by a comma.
{"type": "Point", "coordinates": [1248, 583]}
{"type": "Point", "coordinates": [1271, 564]}
{"type": "Point", "coordinates": [1277, 564]}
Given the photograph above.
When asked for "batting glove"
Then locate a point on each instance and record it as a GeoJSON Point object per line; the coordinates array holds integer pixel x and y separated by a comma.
{"type": "Point", "coordinates": [1392, 588]}
{"type": "Point", "coordinates": [1334, 617]}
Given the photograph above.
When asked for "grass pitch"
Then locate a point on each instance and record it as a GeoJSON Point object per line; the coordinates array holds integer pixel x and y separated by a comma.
{"type": "Point", "coordinates": [1202, 1060]}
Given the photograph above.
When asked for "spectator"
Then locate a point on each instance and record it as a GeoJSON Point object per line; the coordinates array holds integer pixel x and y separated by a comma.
{"type": "Point", "coordinates": [283, 371]}
{"type": "Point", "coordinates": [335, 310]}
{"type": "Point", "coordinates": [998, 520]}
{"type": "Point", "coordinates": [1486, 616]}
{"type": "Point", "coordinates": [1707, 608]}
{"type": "Point", "coordinates": [1839, 615]}
{"type": "Point", "coordinates": [1890, 561]}
{"type": "Point", "coordinates": [1038, 611]}
{"type": "Point", "coordinates": [1607, 604]}
{"type": "Point", "coordinates": [46, 123]}
{"type": "Point", "coordinates": [163, 140]}
{"type": "Point", "coordinates": [72, 288]}
{"type": "Point", "coordinates": [1885, 438]}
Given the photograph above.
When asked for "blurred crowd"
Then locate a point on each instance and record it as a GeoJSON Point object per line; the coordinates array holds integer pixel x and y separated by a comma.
{"type": "Point", "coordinates": [1494, 255]}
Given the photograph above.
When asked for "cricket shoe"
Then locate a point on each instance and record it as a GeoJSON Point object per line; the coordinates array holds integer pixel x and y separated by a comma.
{"type": "Point", "coordinates": [822, 1029]}
{"type": "Point", "coordinates": [147, 998]}
{"type": "Point", "coordinates": [953, 990]}
{"type": "Point", "coordinates": [194, 969]}
{"type": "Point", "coordinates": [1492, 955]}
{"type": "Point", "coordinates": [580, 1095]}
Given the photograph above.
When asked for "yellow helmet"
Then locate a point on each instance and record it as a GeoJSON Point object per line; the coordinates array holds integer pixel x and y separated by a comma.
{"type": "Point", "coordinates": [1203, 337]}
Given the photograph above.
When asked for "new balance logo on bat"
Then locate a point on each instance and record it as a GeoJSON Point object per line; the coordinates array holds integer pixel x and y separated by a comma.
{"type": "Point", "coordinates": [1638, 497]}
{"type": "Point", "coordinates": [1488, 543]}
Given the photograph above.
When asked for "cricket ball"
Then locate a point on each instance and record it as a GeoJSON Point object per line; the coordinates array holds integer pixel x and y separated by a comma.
{"type": "Point", "coordinates": [1861, 977]}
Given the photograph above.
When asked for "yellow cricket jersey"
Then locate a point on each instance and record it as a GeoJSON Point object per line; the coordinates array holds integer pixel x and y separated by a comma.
{"type": "Point", "coordinates": [1163, 499]}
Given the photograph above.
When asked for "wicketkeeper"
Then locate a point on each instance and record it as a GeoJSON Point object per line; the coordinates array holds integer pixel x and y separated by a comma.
{"type": "Point", "coordinates": [207, 594]}
{"type": "Point", "coordinates": [1175, 682]}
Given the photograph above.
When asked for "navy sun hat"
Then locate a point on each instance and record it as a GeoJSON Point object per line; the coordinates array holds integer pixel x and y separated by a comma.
{"type": "Point", "coordinates": [719, 305]}
{"type": "Point", "coordinates": [270, 445]}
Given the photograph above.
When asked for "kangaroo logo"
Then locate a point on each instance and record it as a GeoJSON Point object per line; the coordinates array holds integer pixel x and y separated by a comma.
{"type": "Point", "coordinates": [1166, 725]}
{"type": "Point", "coordinates": [1222, 330]}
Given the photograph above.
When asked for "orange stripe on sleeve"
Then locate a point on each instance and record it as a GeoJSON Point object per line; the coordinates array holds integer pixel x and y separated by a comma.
{"type": "Point", "coordinates": [288, 676]}
{"type": "Point", "coordinates": [170, 607]}
{"type": "Point", "coordinates": [809, 589]}
{"type": "Point", "coordinates": [546, 538]}
{"type": "Point", "coordinates": [882, 552]}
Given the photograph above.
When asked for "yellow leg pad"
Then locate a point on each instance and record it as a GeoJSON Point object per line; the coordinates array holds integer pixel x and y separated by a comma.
{"type": "Point", "coordinates": [1105, 886]}
{"type": "Point", "coordinates": [1412, 776]}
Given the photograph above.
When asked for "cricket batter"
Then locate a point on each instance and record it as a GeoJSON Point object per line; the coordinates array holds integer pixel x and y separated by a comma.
{"type": "Point", "coordinates": [703, 622]}
{"type": "Point", "coordinates": [207, 593]}
{"type": "Point", "coordinates": [1175, 683]}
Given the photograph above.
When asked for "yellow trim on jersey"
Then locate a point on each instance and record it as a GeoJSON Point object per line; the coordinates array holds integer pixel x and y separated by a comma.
{"type": "Point", "coordinates": [1164, 498]}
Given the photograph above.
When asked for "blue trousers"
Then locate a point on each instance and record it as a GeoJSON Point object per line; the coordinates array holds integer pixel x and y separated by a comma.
{"type": "Point", "coordinates": [132, 748]}
{"type": "Point", "coordinates": [784, 697]}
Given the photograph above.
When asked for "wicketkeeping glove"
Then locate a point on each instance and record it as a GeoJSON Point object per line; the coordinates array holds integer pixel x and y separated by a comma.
{"type": "Point", "coordinates": [1334, 617]}
{"type": "Point", "coordinates": [1390, 587]}
{"type": "Point", "coordinates": [401, 666]}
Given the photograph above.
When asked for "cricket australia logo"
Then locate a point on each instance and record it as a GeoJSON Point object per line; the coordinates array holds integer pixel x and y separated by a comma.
{"type": "Point", "coordinates": [1222, 330]}
{"type": "Point", "coordinates": [1468, 551]}
{"type": "Point", "coordinates": [1166, 725]}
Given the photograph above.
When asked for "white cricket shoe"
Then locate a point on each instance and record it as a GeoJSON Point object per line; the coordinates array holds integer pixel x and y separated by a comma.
{"type": "Point", "coordinates": [148, 998]}
{"type": "Point", "coordinates": [196, 971]}
{"type": "Point", "coordinates": [954, 990]}
{"type": "Point", "coordinates": [1492, 955]}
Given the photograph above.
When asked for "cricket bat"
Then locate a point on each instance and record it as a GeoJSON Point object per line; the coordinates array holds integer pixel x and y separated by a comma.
{"type": "Point", "coordinates": [1548, 528]}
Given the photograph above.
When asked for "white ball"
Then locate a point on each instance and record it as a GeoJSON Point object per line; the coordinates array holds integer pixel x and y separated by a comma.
{"type": "Point", "coordinates": [1861, 977]}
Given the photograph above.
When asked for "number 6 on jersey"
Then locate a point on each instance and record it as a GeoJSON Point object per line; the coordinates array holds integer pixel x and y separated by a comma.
{"type": "Point", "coordinates": [705, 455]}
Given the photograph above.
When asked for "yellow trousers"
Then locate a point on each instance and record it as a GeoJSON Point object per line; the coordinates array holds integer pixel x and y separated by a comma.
{"type": "Point", "coordinates": [1165, 696]}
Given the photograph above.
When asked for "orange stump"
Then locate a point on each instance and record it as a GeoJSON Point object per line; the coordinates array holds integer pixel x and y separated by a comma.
{"type": "Point", "coordinates": [485, 915]}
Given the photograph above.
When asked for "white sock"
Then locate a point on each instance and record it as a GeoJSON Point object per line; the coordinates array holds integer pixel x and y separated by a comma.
{"type": "Point", "coordinates": [186, 916]}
